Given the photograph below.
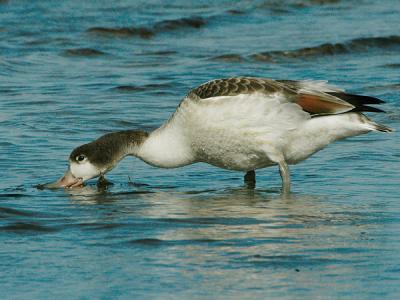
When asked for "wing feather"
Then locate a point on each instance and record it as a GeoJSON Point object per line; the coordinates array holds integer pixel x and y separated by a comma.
{"type": "Point", "coordinates": [314, 97]}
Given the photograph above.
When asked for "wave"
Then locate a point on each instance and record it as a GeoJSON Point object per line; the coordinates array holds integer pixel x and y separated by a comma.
{"type": "Point", "coordinates": [83, 52]}
{"type": "Point", "coordinates": [161, 52]}
{"type": "Point", "coordinates": [149, 32]}
{"type": "Point", "coordinates": [23, 227]}
{"type": "Point", "coordinates": [394, 65]}
{"type": "Point", "coordinates": [5, 212]}
{"type": "Point", "coordinates": [229, 57]}
{"type": "Point", "coordinates": [394, 86]}
{"type": "Point", "coordinates": [235, 12]}
{"type": "Point", "coordinates": [147, 241]}
{"type": "Point", "coordinates": [158, 242]}
{"type": "Point", "coordinates": [128, 88]}
{"type": "Point", "coordinates": [136, 88]}
{"type": "Point", "coordinates": [358, 45]}
{"type": "Point", "coordinates": [122, 31]}
{"type": "Point", "coordinates": [287, 7]}
{"type": "Point", "coordinates": [192, 22]}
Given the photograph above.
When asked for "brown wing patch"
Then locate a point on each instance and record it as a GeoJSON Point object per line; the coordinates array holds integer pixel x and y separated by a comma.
{"type": "Point", "coordinates": [316, 104]}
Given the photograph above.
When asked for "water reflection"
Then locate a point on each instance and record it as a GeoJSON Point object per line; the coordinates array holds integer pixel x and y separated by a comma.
{"type": "Point", "coordinates": [236, 228]}
{"type": "Point", "coordinates": [234, 213]}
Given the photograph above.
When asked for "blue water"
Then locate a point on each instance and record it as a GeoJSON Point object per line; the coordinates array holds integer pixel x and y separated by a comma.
{"type": "Point", "coordinates": [71, 71]}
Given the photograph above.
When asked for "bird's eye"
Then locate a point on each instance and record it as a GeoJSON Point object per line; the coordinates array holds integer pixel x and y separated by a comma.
{"type": "Point", "coordinates": [80, 158]}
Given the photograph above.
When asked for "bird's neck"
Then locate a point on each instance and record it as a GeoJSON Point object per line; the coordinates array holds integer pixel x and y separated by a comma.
{"type": "Point", "coordinates": [122, 143]}
{"type": "Point", "coordinates": [165, 147]}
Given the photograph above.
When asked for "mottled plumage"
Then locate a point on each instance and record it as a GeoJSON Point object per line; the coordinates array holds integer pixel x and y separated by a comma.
{"type": "Point", "coordinates": [327, 100]}
{"type": "Point", "coordinates": [236, 86]}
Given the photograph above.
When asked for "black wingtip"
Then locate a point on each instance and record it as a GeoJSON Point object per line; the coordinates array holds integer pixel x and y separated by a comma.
{"type": "Point", "coordinates": [357, 100]}
{"type": "Point", "coordinates": [360, 102]}
{"type": "Point", "coordinates": [366, 108]}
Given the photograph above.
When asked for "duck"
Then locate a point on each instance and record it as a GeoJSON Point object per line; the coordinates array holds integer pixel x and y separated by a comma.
{"type": "Point", "coordinates": [241, 123]}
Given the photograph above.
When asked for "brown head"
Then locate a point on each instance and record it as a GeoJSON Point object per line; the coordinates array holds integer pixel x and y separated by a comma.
{"type": "Point", "coordinates": [99, 157]}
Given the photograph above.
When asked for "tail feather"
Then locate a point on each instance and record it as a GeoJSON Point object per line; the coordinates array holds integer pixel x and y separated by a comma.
{"type": "Point", "coordinates": [382, 128]}
{"type": "Point", "coordinates": [371, 125]}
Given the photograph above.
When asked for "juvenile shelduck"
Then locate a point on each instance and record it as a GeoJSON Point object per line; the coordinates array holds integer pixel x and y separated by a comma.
{"type": "Point", "coordinates": [240, 124]}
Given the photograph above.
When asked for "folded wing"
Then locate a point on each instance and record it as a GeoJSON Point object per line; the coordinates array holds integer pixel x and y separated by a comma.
{"type": "Point", "coordinates": [314, 97]}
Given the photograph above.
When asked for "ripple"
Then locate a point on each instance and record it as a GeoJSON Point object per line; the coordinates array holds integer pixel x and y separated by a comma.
{"type": "Point", "coordinates": [148, 241]}
{"type": "Point", "coordinates": [22, 227]}
{"type": "Point", "coordinates": [83, 52]}
{"type": "Point", "coordinates": [136, 88]}
{"type": "Point", "coordinates": [141, 32]}
{"type": "Point", "coordinates": [11, 195]}
{"type": "Point", "coordinates": [285, 261]}
{"type": "Point", "coordinates": [229, 58]}
{"type": "Point", "coordinates": [192, 22]}
{"type": "Point", "coordinates": [97, 226]}
{"type": "Point", "coordinates": [158, 242]}
{"type": "Point", "coordinates": [149, 32]}
{"type": "Point", "coordinates": [128, 88]}
{"type": "Point", "coordinates": [287, 7]}
{"type": "Point", "coordinates": [358, 45]}
{"type": "Point", "coordinates": [5, 211]}
{"type": "Point", "coordinates": [161, 52]}
{"type": "Point", "coordinates": [5, 144]}
{"type": "Point", "coordinates": [394, 86]}
{"type": "Point", "coordinates": [215, 221]}
{"type": "Point", "coordinates": [235, 12]}
{"type": "Point", "coordinates": [126, 123]}
{"type": "Point", "coordinates": [393, 66]}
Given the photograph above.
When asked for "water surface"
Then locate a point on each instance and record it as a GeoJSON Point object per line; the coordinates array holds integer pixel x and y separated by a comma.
{"type": "Point", "coordinates": [70, 72]}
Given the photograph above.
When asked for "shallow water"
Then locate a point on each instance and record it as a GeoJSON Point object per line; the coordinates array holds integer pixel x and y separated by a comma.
{"type": "Point", "coordinates": [71, 72]}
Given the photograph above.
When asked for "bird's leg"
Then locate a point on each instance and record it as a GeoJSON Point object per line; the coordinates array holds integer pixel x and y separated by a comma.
{"type": "Point", "coordinates": [250, 179]}
{"type": "Point", "coordinates": [285, 175]}
{"type": "Point", "coordinates": [102, 182]}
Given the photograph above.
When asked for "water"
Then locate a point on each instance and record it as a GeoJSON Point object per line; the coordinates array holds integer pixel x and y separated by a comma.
{"type": "Point", "coordinates": [72, 71]}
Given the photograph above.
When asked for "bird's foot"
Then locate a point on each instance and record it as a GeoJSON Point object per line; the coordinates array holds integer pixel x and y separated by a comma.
{"type": "Point", "coordinates": [103, 183]}
{"type": "Point", "coordinates": [250, 179]}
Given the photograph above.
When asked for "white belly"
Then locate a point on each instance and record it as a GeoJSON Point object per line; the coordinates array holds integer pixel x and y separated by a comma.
{"type": "Point", "coordinates": [240, 133]}
{"type": "Point", "coordinates": [232, 149]}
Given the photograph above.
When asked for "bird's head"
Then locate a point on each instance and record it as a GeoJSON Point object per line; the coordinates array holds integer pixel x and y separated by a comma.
{"type": "Point", "coordinates": [98, 157]}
